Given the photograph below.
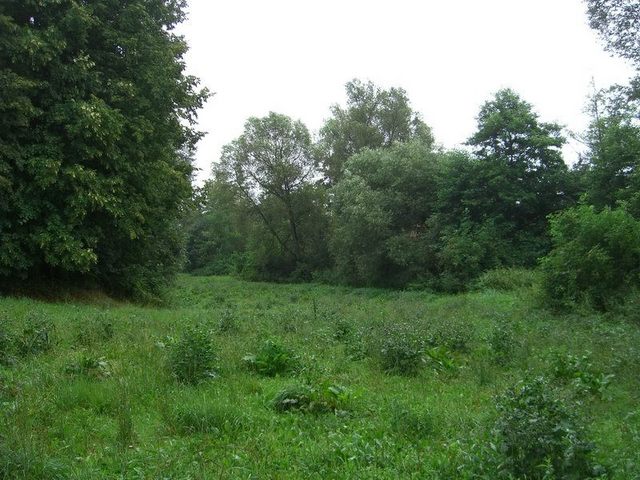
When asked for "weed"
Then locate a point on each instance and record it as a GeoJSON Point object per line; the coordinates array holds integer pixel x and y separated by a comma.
{"type": "Point", "coordinates": [502, 342]}
{"type": "Point", "coordinates": [36, 337]}
{"type": "Point", "coordinates": [325, 398]}
{"type": "Point", "coordinates": [202, 415]}
{"type": "Point", "coordinates": [273, 359]}
{"type": "Point", "coordinates": [227, 322]}
{"type": "Point", "coordinates": [192, 358]}
{"type": "Point", "coordinates": [95, 330]}
{"type": "Point", "coordinates": [401, 350]}
{"type": "Point", "coordinates": [413, 423]}
{"type": "Point", "coordinates": [89, 366]}
{"type": "Point", "coordinates": [579, 372]}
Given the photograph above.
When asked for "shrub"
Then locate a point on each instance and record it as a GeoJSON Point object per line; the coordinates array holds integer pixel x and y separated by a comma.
{"type": "Point", "coordinates": [401, 351]}
{"type": "Point", "coordinates": [595, 258]}
{"type": "Point", "coordinates": [36, 337]}
{"type": "Point", "coordinates": [192, 358]}
{"type": "Point", "coordinates": [325, 398]}
{"type": "Point", "coordinates": [537, 434]}
{"type": "Point", "coordinates": [273, 359]}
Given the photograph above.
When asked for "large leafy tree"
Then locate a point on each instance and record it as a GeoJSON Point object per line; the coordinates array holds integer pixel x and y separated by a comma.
{"type": "Point", "coordinates": [272, 168]}
{"type": "Point", "coordinates": [95, 140]}
{"type": "Point", "coordinates": [520, 176]}
{"type": "Point", "coordinates": [372, 118]}
{"type": "Point", "coordinates": [380, 208]}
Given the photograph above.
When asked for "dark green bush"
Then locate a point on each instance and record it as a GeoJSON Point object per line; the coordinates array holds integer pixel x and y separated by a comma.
{"type": "Point", "coordinates": [538, 435]}
{"type": "Point", "coordinates": [595, 258]}
{"type": "Point", "coordinates": [192, 358]}
{"type": "Point", "coordinates": [273, 359]}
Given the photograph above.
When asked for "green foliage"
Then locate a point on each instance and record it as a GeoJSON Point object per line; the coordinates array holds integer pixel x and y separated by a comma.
{"type": "Point", "coordinates": [507, 279]}
{"type": "Point", "coordinates": [36, 337]}
{"type": "Point", "coordinates": [201, 414]}
{"type": "Point", "coordinates": [95, 142]}
{"type": "Point", "coordinates": [89, 366]}
{"type": "Point", "coordinates": [380, 208]}
{"type": "Point", "coordinates": [538, 435]}
{"type": "Point", "coordinates": [192, 358]}
{"type": "Point", "coordinates": [373, 118]}
{"type": "Point", "coordinates": [271, 169]}
{"type": "Point", "coordinates": [412, 422]}
{"type": "Point", "coordinates": [273, 359]}
{"type": "Point", "coordinates": [579, 371]}
{"type": "Point", "coordinates": [503, 342]}
{"type": "Point", "coordinates": [322, 398]}
{"type": "Point", "coordinates": [595, 259]}
{"type": "Point", "coordinates": [401, 350]}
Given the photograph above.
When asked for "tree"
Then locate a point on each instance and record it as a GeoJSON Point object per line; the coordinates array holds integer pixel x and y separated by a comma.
{"type": "Point", "coordinates": [373, 118]}
{"type": "Point", "coordinates": [96, 134]}
{"type": "Point", "coordinates": [272, 168]}
{"type": "Point", "coordinates": [521, 177]}
{"type": "Point", "coordinates": [380, 207]}
{"type": "Point", "coordinates": [618, 23]}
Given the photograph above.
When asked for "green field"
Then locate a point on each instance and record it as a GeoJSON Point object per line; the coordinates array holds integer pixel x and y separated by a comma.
{"type": "Point", "coordinates": [367, 383]}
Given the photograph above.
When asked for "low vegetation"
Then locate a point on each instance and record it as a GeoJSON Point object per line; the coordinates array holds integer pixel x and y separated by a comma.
{"type": "Point", "coordinates": [252, 380]}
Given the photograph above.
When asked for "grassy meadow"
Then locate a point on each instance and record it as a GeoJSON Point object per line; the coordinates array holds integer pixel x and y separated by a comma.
{"type": "Point", "coordinates": [257, 381]}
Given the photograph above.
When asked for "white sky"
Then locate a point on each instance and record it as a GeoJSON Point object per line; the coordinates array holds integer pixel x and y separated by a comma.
{"type": "Point", "coordinates": [294, 57]}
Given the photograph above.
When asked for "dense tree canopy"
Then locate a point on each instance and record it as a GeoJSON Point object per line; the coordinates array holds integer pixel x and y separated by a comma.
{"type": "Point", "coordinates": [272, 168]}
{"type": "Point", "coordinates": [94, 140]}
{"type": "Point", "coordinates": [372, 118]}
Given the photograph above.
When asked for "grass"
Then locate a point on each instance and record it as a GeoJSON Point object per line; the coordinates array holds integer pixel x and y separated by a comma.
{"type": "Point", "coordinates": [101, 400]}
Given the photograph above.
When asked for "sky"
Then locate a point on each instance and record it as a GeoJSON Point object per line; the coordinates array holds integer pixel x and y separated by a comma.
{"type": "Point", "coordinates": [295, 56]}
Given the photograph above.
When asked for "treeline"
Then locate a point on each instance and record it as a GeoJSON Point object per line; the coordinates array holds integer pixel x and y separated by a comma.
{"type": "Point", "coordinates": [374, 201]}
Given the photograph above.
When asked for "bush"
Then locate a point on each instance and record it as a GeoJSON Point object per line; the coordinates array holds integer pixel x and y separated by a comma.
{"type": "Point", "coordinates": [595, 258]}
{"type": "Point", "coordinates": [401, 351]}
{"type": "Point", "coordinates": [192, 358]}
{"type": "Point", "coordinates": [538, 435]}
{"type": "Point", "coordinates": [272, 359]}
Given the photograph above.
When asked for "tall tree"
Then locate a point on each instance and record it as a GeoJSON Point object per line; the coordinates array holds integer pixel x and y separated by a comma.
{"type": "Point", "coordinates": [523, 176]}
{"type": "Point", "coordinates": [272, 167]}
{"type": "Point", "coordinates": [618, 23]}
{"type": "Point", "coordinates": [373, 118]}
{"type": "Point", "coordinates": [96, 133]}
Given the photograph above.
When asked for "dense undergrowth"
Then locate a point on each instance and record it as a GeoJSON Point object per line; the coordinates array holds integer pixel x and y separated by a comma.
{"type": "Point", "coordinates": [252, 380]}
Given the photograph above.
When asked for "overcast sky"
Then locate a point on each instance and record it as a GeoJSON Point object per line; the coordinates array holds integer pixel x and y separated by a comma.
{"type": "Point", "coordinates": [294, 57]}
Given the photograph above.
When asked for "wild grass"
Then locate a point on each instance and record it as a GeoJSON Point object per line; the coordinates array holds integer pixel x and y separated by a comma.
{"type": "Point", "coordinates": [350, 383]}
